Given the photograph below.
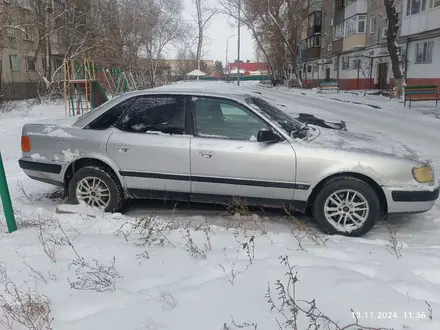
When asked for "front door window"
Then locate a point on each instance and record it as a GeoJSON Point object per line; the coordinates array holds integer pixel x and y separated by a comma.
{"type": "Point", "coordinates": [224, 119]}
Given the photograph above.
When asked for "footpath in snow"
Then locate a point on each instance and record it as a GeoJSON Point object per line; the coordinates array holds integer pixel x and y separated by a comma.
{"type": "Point", "coordinates": [172, 271]}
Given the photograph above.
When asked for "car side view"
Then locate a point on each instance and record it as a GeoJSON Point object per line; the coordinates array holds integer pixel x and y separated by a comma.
{"type": "Point", "coordinates": [206, 146]}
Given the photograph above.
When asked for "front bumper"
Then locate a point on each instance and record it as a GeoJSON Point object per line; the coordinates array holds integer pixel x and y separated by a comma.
{"type": "Point", "coordinates": [401, 200]}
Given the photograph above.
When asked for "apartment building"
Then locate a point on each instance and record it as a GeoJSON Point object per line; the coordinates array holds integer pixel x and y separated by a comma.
{"type": "Point", "coordinates": [18, 43]}
{"type": "Point", "coordinates": [345, 40]}
{"type": "Point", "coordinates": [420, 37]}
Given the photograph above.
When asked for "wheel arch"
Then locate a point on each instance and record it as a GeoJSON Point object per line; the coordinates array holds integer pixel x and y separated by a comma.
{"type": "Point", "coordinates": [365, 178]}
{"type": "Point", "coordinates": [82, 162]}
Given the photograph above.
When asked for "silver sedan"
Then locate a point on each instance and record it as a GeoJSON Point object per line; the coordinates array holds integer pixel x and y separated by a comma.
{"type": "Point", "coordinates": [192, 144]}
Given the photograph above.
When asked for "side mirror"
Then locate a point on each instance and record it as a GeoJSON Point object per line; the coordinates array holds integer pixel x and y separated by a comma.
{"type": "Point", "coordinates": [267, 135]}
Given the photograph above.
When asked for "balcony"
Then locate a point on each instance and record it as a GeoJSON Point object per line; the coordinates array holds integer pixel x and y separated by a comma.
{"type": "Point", "coordinates": [311, 48]}
{"type": "Point", "coordinates": [315, 21]}
{"type": "Point", "coordinates": [313, 53]}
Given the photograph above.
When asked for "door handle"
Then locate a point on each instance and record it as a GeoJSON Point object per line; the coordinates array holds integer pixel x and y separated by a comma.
{"type": "Point", "coordinates": [206, 153]}
{"type": "Point", "coordinates": [122, 148]}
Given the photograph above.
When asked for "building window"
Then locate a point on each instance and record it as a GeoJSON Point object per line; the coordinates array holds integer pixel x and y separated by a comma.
{"type": "Point", "coordinates": [355, 24]}
{"type": "Point", "coordinates": [329, 47]}
{"type": "Point", "coordinates": [317, 41]}
{"type": "Point", "coordinates": [424, 52]}
{"type": "Point", "coordinates": [10, 32]}
{"type": "Point", "coordinates": [349, 2]}
{"type": "Point", "coordinates": [355, 64]}
{"type": "Point", "coordinates": [434, 3]}
{"type": "Point", "coordinates": [330, 22]}
{"type": "Point", "coordinates": [313, 41]}
{"type": "Point", "coordinates": [30, 63]}
{"type": "Point", "coordinates": [361, 23]}
{"type": "Point", "coordinates": [373, 24]}
{"type": "Point", "coordinates": [415, 6]}
{"type": "Point", "coordinates": [339, 31]}
{"type": "Point", "coordinates": [15, 62]}
{"type": "Point", "coordinates": [57, 63]}
{"type": "Point", "coordinates": [318, 18]}
{"type": "Point", "coordinates": [26, 33]}
{"type": "Point", "coordinates": [345, 63]}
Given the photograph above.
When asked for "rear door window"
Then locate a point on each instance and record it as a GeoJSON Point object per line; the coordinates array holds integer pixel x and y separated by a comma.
{"type": "Point", "coordinates": [156, 114]}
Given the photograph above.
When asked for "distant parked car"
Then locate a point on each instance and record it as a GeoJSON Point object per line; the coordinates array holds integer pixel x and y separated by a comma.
{"type": "Point", "coordinates": [189, 144]}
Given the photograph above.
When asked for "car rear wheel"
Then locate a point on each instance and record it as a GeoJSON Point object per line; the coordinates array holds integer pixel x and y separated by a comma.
{"type": "Point", "coordinates": [346, 206]}
{"type": "Point", "coordinates": [97, 188]}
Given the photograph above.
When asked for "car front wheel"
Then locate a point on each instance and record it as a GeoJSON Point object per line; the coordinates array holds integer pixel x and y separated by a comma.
{"type": "Point", "coordinates": [346, 206]}
{"type": "Point", "coordinates": [97, 188]}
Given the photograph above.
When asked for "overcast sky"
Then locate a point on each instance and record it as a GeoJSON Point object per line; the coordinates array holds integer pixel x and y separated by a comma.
{"type": "Point", "coordinates": [216, 35]}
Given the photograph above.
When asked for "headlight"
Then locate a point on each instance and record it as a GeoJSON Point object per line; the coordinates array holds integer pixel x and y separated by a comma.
{"type": "Point", "coordinates": [423, 174]}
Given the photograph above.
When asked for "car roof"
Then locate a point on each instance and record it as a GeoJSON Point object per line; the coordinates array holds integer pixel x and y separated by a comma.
{"type": "Point", "coordinates": [206, 88]}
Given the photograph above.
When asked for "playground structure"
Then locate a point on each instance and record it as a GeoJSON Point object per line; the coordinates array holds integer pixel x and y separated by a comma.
{"type": "Point", "coordinates": [87, 87]}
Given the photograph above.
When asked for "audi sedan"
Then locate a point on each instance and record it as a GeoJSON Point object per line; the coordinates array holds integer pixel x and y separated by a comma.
{"type": "Point", "coordinates": [191, 144]}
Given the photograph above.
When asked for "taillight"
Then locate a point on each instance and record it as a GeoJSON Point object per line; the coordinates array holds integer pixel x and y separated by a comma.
{"type": "Point", "coordinates": [25, 143]}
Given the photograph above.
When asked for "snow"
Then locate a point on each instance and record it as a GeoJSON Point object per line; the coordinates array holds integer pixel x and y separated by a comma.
{"type": "Point", "coordinates": [171, 283]}
{"type": "Point", "coordinates": [37, 157]}
{"type": "Point", "coordinates": [70, 156]}
{"type": "Point", "coordinates": [59, 133]}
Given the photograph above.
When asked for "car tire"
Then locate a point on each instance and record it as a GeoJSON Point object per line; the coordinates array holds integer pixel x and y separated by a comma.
{"type": "Point", "coordinates": [107, 179]}
{"type": "Point", "coordinates": [330, 213]}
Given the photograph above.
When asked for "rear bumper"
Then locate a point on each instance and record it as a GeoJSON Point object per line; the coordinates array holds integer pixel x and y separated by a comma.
{"type": "Point", "coordinates": [44, 172]}
{"type": "Point", "coordinates": [39, 167]}
{"type": "Point", "coordinates": [410, 201]}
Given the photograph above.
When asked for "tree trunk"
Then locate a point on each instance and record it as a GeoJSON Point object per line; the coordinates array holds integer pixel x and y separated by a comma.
{"type": "Point", "coordinates": [262, 50]}
{"type": "Point", "coordinates": [393, 27]}
{"type": "Point", "coordinates": [199, 47]}
{"type": "Point", "coordinates": [289, 46]}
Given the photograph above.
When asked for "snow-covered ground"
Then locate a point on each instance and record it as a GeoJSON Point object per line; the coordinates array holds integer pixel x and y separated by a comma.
{"type": "Point", "coordinates": [199, 269]}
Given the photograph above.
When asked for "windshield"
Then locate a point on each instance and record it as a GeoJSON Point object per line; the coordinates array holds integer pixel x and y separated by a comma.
{"type": "Point", "coordinates": [289, 124]}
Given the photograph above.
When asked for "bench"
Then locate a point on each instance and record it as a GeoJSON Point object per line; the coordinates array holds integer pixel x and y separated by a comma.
{"type": "Point", "coordinates": [327, 85]}
{"type": "Point", "coordinates": [421, 93]}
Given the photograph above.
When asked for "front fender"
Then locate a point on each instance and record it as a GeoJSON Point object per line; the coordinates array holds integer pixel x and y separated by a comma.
{"type": "Point", "coordinates": [338, 169]}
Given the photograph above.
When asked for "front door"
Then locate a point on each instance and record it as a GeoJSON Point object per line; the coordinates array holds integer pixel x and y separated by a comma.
{"type": "Point", "coordinates": [151, 147]}
{"type": "Point", "coordinates": [327, 74]}
{"type": "Point", "coordinates": [227, 160]}
{"type": "Point", "coordinates": [383, 73]}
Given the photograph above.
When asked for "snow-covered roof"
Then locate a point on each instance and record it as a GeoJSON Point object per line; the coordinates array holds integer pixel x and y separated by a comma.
{"type": "Point", "coordinates": [196, 73]}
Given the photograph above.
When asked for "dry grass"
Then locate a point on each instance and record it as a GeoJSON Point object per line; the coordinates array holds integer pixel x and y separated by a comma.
{"type": "Point", "coordinates": [22, 306]}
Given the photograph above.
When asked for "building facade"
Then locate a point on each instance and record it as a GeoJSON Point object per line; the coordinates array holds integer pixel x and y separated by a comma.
{"type": "Point", "coordinates": [420, 35]}
{"type": "Point", "coordinates": [345, 40]}
{"type": "Point", "coordinates": [19, 67]}
{"type": "Point", "coordinates": [249, 68]}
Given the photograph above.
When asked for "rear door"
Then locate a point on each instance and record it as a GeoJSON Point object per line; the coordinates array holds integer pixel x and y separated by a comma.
{"type": "Point", "coordinates": [151, 147]}
{"type": "Point", "coordinates": [227, 160]}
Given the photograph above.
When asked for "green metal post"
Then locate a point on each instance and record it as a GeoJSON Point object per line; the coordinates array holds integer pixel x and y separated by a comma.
{"type": "Point", "coordinates": [6, 199]}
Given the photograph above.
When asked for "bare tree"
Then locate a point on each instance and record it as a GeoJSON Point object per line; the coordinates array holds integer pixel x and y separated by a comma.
{"type": "Point", "coordinates": [132, 19]}
{"type": "Point", "coordinates": [393, 28]}
{"type": "Point", "coordinates": [230, 8]}
{"type": "Point", "coordinates": [163, 26]}
{"type": "Point", "coordinates": [204, 14]}
{"type": "Point", "coordinates": [50, 28]}
{"type": "Point", "coordinates": [275, 27]}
